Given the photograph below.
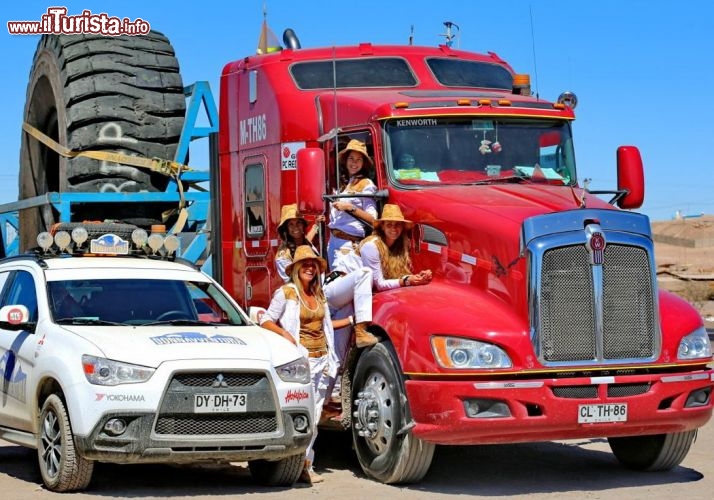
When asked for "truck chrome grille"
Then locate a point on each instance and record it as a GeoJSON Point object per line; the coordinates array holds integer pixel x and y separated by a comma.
{"type": "Point", "coordinates": [572, 300]}
{"type": "Point", "coordinates": [176, 415]}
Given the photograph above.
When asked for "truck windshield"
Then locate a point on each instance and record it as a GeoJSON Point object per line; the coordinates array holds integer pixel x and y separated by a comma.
{"type": "Point", "coordinates": [140, 302]}
{"type": "Point", "coordinates": [436, 151]}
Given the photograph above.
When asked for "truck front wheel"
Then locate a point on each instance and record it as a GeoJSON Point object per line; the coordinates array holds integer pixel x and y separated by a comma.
{"type": "Point", "coordinates": [282, 472]}
{"type": "Point", "coordinates": [62, 468]}
{"type": "Point", "coordinates": [386, 449]}
{"type": "Point", "coordinates": [653, 453]}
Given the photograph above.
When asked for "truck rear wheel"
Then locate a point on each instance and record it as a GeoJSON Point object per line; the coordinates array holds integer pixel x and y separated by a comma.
{"type": "Point", "coordinates": [282, 472]}
{"type": "Point", "coordinates": [387, 451]}
{"type": "Point", "coordinates": [87, 92]}
{"type": "Point", "coordinates": [653, 453]}
{"type": "Point", "coordinates": [62, 468]}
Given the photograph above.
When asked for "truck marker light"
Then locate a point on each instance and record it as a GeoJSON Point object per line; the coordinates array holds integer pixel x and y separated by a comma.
{"type": "Point", "coordinates": [401, 105]}
{"type": "Point", "coordinates": [484, 102]}
{"type": "Point", "coordinates": [504, 102]}
{"type": "Point", "coordinates": [464, 102]}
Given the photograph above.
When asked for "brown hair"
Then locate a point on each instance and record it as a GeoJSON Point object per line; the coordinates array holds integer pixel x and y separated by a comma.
{"type": "Point", "coordinates": [395, 260]}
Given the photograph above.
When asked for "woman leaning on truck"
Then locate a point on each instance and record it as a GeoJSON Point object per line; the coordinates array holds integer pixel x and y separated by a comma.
{"type": "Point", "coordinates": [386, 252]}
{"type": "Point", "coordinates": [347, 215]}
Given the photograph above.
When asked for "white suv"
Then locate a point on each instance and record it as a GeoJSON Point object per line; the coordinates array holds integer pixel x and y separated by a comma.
{"type": "Point", "coordinates": [126, 359]}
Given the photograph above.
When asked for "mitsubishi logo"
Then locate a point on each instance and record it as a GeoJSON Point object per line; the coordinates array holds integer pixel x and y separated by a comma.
{"type": "Point", "coordinates": [220, 381]}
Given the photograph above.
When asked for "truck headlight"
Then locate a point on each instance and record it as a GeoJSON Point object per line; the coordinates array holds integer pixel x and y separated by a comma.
{"type": "Point", "coordinates": [695, 345]}
{"type": "Point", "coordinates": [454, 352]}
{"type": "Point", "coordinates": [102, 371]}
{"type": "Point", "coordinates": [295, 371]}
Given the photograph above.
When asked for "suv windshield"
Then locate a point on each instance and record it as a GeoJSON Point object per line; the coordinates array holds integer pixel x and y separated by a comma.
{"type": "Point", "coordinates": [140, 302]}
{"type": "Point", "coordinates": [428, 151]}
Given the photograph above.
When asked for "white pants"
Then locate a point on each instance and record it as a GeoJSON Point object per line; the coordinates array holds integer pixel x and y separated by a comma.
{"type": "Point", "coordinates": [346, 295]}
{"type": "Point", "coordinates": [320, 382]}
{"type": "Point", "coordinates": [334, 247]}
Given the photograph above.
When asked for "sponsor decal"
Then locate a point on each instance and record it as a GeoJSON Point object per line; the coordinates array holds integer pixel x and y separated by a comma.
{"type": "Point", "coordinates": [109, 244]}
{"type": "Point", "coordinates": [14, 379]}
{"type": "Point", "coordinates": [296, 396]}
{"type": "Point", "coordinates": [14, 316]}
{"type": "Point", "coordinates": [288, 155]}
{"type": "Point", "coordinates": [121, 398]}
{"type": "Point", "coordinates": [56, 21]}
{"type": "Point", "coordinates": [194, 338]}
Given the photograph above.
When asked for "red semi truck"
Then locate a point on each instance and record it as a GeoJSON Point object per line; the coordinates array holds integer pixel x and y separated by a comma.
{"type": "Point", "coordinates": [544, 320]}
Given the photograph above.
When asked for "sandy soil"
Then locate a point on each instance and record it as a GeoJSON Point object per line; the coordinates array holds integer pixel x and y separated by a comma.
{"type": "Point", "coordinates": [684, 254]}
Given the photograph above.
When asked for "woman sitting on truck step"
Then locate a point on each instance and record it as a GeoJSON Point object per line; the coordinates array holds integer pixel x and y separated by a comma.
{"type": "Point", "coordinates": [348, 292]}
{"type": "Point", "coordinates": [348, 215]}
{"type": "Point", "coordinates": [386, 252]}
{"type": "Point", "coordinates": [298, 311]}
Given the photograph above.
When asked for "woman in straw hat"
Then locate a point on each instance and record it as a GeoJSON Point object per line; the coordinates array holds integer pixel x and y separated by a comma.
{"type": "Point", "coordinates": [298, 311]}
{"type": "Point", "coordinates": [349, 295]}
{"type": "Point", "coordinates": [348, 214]}
{"type": "Point", "coordinates": [292, 230]}
{"type": "Point", "coordinates": [386, 252]}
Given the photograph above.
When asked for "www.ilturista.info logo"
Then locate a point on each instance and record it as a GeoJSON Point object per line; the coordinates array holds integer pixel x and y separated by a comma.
{"type": "Point", "coordinates": [57, 22]}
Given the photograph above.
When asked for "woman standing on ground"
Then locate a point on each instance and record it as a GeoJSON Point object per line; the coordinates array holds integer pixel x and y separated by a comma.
{"type": "Point", "coordinates": [298, 311]}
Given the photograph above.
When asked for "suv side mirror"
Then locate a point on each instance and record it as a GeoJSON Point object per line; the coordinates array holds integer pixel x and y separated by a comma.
{"type": "Point", "coordinates": [310, 180]}
{"type": "Point", "coordinates": [16, 317]}
{"type": "Point", "coordinates": [630, 177]}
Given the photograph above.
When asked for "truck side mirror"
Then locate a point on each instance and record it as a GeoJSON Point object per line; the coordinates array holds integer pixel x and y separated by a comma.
{"type": "Point", "coordinates": [310, 180]}
{"type": "Point", "coordinates": [630, 177]}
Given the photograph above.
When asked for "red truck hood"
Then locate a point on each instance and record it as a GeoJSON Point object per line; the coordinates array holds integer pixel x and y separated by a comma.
{"type": "Point", "coordinates": [485, 222]}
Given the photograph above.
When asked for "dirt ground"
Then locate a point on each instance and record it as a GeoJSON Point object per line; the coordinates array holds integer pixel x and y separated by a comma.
{"type": "Point", "coordinates": [684, 254]}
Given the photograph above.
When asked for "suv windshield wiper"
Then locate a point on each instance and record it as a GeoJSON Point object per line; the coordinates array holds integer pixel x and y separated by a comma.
{"type": "Point", "coordinates": [86, 321]}
{"type": "Point", "coordinates": [182, 322]}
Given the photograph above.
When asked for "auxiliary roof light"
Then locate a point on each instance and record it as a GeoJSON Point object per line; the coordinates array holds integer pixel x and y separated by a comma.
{"type": "Point", "coordinates": [45, 240]}
{"type": "Point", "coordinates": [139, 237]}
{"type": "Point", "coordinates": [79, 235]}
{"type": "Point", "coordinates": [155, 242]}
{"type": "Point", "coordinates": [62, 240]}
{"type": "Point", "coordinates": [171, 243]}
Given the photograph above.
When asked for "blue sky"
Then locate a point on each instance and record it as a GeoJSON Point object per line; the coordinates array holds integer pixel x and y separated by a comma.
{"type": "Point", "coordinates": [641, 69]}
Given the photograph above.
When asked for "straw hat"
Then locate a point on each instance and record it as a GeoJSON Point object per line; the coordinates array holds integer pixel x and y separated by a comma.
{"type": "Point", "coordinates": [393, 213]}
{"type": "Point", "coordinates": [355, 145]}
{"type": "Point", "coordinates": [288, 212]}
{"type": "Point", "coordinates": [305, 252]}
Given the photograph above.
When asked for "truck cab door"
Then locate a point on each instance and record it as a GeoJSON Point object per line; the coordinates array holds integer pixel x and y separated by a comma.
{"type": "Point", "coordinates": [256, 237]}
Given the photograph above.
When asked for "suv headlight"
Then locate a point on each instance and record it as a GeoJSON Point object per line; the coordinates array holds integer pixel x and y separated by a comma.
{"type": "Point", "coordinates": [454, 352]}
{"type": "Point", "coordinates": [295, 371]}
{"type": "Point", "coordinates": [695, 345]}
{"type": "Point", "coordinates": [102, 371]}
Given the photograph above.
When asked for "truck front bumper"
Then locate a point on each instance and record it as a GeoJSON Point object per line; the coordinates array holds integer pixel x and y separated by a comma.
{"type": "Point", "coordinates": [139, 443]}
{"type": "Point", "coordinates": [510, 411]}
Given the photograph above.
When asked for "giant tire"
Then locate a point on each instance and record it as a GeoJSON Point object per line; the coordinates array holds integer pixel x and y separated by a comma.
{"type": "Point", "coordinates": [392, 454]}
{"type": "Point", "coordinates": [90, 92]}
{"type": "Point", "coordinates": [62, 468]}
{"type": "Point", "coordinates": [653, 453]}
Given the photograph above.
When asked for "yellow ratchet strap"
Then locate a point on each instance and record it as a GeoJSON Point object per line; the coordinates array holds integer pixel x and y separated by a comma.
{"type": "Point", "coordinates": [165, 167]}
